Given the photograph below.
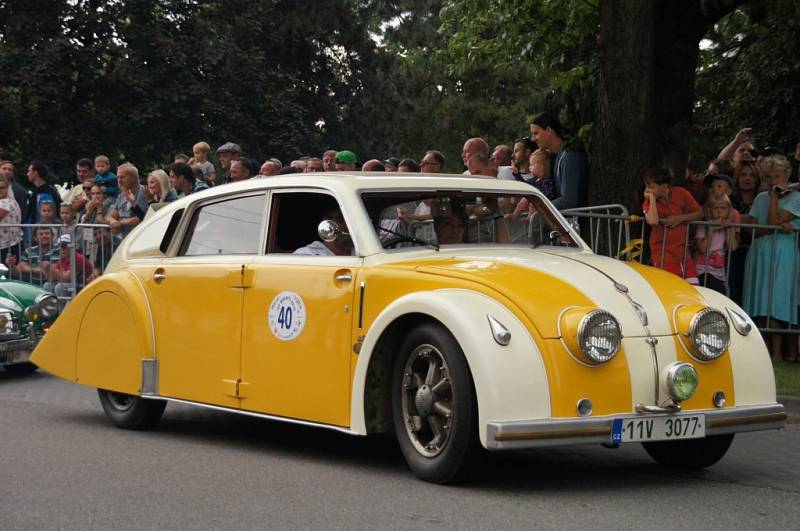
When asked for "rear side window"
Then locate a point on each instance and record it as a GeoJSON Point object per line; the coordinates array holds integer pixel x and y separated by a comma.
{"type": "Point", "coordinates": [232, 226]}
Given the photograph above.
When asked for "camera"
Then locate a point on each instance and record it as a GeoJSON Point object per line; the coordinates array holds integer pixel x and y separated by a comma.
{"type": "Point", "coordinates": [785, 189]}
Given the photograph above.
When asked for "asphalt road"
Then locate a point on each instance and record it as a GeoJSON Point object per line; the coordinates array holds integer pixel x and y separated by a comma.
{"type": "Point", "coordinates": [63, 466]}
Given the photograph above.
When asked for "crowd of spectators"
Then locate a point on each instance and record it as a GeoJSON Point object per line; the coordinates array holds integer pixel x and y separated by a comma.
{"type": "Point", "coordinates": [698, 232]}
{"type": "Point", "coordinates": [734, 229]}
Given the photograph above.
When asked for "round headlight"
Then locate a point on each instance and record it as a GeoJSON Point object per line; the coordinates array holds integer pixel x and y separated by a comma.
{"type": "Point", "coordinates": [710, 334]}
{"type": "Point", "coordinates": [47, 305]}
{"type": "Point", "coordinates": [681, 380]}
{"type": "Point", "coordinates": [599, 336]}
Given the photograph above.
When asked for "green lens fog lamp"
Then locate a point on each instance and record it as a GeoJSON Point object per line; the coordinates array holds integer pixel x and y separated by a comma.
{"type": "Point", "coordinates": [681, 381]}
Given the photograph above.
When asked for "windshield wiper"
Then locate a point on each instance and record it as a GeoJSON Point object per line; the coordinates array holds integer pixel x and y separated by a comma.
{"type": "Point", "coordinates": [405, 238]}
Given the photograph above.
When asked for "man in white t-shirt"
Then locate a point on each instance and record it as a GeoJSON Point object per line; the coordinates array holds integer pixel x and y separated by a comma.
{"type": "Point", "coordinates": [341, 246]}
{"type": "Point", "coordinates": [519, 170]}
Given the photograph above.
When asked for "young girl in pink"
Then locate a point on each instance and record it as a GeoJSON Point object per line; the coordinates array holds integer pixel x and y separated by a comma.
{"type": "Point", "coordinates": [714, 241]}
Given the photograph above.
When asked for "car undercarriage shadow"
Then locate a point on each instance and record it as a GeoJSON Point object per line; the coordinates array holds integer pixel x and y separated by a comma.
{"type": "Point", "coordinates": [548, 469]}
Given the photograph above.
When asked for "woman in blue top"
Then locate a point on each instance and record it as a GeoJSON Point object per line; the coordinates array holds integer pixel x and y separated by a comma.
{"type": "Point", "coordinates": [772, 270]}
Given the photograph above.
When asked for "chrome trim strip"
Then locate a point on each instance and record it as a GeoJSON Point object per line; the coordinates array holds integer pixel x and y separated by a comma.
{"type": "Point", "coordinates": [287, 420]}
{"type": "Point", "coordinates": [541, 433]}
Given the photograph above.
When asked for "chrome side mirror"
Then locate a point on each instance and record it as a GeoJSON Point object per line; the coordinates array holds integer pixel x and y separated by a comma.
{"type": "Point", "coordinates": [328, 230]}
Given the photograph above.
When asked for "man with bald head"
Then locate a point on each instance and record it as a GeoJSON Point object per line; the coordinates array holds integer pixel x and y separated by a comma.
{"type": "Point", "coordinates": [472, 147]}
{"type": "Point", "coordinates": [268, 169]}
{"type": "Point", "coordinates": [373, 165]}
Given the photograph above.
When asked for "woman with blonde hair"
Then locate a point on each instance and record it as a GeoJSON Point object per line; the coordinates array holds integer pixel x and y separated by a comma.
{"type": "Point", "coordinates": [158, 191]}
{"type": "Point", "coordinates": [159, 186]}
{"type": "Point", "coordinates": [772, 268]}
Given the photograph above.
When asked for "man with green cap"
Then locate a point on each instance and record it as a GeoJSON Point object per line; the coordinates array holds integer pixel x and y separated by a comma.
{"type": "Point", "coordinates": [345, 161]}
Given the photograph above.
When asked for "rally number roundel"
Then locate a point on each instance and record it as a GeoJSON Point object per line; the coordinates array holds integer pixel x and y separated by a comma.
{"type": "Point", "coordinates": [287, 315]}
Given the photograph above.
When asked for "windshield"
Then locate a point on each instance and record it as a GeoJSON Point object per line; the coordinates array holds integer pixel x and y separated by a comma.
{"type": "Point", "coordinates": [436, 218]}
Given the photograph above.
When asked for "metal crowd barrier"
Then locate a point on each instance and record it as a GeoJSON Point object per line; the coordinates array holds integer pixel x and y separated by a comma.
{"type": "Point", "coordinates": [607, 229]}
{"type": "Point", "coordinates": [89, 247]}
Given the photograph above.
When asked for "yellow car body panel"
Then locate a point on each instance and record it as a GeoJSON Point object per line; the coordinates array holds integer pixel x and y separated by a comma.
{"type": "Point", "coordinates": [534, 298]}
{"type": "Point", "coordinates": [713, 376]}
{"type": "Point", "coordinates": [306, 377]}
{"type": "Point", "coordinates": [197, 310]}
{"type": "Point", "coordinates": [114, 334]}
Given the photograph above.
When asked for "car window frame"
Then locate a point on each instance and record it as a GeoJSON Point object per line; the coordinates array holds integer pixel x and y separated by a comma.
{"type": "Point", "coordinates": [554, 213]}
{"type": "Point", "coordinates": [349, 219]}
{"type": "Point", "coordinates": [181, 232]}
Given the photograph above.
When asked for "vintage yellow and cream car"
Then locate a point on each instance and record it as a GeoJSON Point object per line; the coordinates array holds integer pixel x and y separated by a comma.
{"type": "Point", "coordinates": [457, 313]}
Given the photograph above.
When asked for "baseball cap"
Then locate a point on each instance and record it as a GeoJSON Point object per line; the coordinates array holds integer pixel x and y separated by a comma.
{"type": "Point", "coordinates": [64, 239]}
{"type": "Point", "coordinates": [710, 178]}
{"type": "Point", "coordinates": [230, 147]}
{"type": "Point", "coordinates": [392, 161]}
{"type": "Point", "coordinates": [346, 157]}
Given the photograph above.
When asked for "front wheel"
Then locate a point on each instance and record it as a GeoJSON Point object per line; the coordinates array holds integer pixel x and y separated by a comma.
{"type": "Point", "coordinates": [434, 407]}
{"type": "Point", "coordinates": [690, 454]}
{"type": "Point", "coordinates": [131, 412]}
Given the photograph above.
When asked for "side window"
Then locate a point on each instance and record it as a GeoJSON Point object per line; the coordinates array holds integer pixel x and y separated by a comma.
{"type": "Point", "coordinates": [232, 226]}
{"type": "Point", "coordinates": [295, 216]}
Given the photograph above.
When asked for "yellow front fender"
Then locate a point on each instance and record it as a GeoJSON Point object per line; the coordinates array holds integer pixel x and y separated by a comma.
{"type": "Point", "coordinates": [114, 334]}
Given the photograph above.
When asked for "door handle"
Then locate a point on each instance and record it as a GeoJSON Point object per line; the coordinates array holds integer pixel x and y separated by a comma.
{"type": "Point", "coordinates": [159, 276]}
{"type": "Point", "coordinates": [342, 277]}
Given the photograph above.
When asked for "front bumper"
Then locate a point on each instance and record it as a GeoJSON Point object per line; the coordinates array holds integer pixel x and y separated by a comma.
{"type": "Point", "coordinates": [16, 350]}
{"type": "Point", "coordinates": [541, 433]}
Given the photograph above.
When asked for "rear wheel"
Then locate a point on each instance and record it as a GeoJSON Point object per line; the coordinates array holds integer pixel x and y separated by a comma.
{"type": "Point", "coordinates": [690, 453]}
{"type": "Point", "coordinates": [131, 412]}
{"type": "Point", "coordinates": [434, 407]}
{"type": "Point", "coordinates": [21, 368]}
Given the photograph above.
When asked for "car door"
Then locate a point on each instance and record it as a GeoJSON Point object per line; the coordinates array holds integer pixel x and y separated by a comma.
{"type": "Point", "coordinates": [296, 352]}
{"type": "Point", "coordinates": [196, 299]}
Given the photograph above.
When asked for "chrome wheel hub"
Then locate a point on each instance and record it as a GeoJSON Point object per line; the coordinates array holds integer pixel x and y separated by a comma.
{"type": "Point", "coordinates": [121, 401]}
{"type": "Point", "coordinates": [427, 400]}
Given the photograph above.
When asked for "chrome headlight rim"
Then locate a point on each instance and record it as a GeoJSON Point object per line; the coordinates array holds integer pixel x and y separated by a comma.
{"type": "Point", "coordinates": [46, 305]}
{"type": "Point", "coordinates": [7, 324]}
{"type": "Point", "coordinates": [672, 373]}
{"type": "Point", "coordinates": [694, 335]}
{"type": "Point", "coordinates": [585, 322]}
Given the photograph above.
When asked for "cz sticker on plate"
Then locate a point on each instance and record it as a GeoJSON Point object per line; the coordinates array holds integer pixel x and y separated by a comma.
{"type": "Point", "coordinates": [658, 428]}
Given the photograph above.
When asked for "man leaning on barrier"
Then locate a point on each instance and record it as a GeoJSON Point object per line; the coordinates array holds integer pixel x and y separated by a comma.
{"type": "Point", "coordinates": [35, 260]}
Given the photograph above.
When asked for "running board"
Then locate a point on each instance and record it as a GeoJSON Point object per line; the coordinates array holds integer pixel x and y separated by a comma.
{"type": "Point", "coordinates": [287, 420]}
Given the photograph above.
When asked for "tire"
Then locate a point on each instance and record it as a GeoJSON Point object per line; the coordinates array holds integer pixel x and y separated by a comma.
{"type": "Point", "coordinates": [690, 454]}
{"type": "Point", "coordinates": [434, 407]}
{"type": "Point", "coordinates": [131, 412]}
{"type": "Point", "coordinates": [21, 368]}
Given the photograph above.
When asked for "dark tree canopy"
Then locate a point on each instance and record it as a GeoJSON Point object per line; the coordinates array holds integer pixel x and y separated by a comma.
{"type": "Point", "coordinates": [636, 82]}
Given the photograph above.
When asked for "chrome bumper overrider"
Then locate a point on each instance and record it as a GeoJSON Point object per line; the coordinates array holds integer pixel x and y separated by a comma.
{"type": "Point", "coordinates": [16, 350]}
{"type": "Point", "coordinates": [539, 433]}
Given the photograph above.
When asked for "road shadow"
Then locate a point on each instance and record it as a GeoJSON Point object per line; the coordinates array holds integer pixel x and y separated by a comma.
{"type": "Point", "coordinates": [551, 470]}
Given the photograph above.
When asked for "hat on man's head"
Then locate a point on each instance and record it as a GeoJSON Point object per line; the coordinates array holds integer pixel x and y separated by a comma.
{"type": "Point", "coordinates": [346, 157]}
{"type": "Point", "coordinates": [230, 147]}
{"type": "Point", "coordinates": [711, 177]}
{"type": "Point", "coordinates": [64, 240]}
{"type": "Point", "coordinates": [392, 161]}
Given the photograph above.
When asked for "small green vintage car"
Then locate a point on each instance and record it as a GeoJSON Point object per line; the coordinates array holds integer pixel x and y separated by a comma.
{"type": "Point", "coordinates": [26, 311]}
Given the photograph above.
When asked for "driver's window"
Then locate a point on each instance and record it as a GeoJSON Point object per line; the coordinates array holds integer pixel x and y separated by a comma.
{"type": "Point", "coordinates": [295, 217]}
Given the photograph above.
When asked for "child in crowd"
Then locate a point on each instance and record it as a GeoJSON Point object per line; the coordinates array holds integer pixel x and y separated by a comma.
{"type": "Point", "coordinates": [541, 180]}
{"type": "Point", "coordinates": [105, 177]}
{"type": "Point", "coordinates": [772, 268]}
{"type": "Point", "coordinates": [47, 213]}
{"type": "Point", "coordinates": [201, 152]}
{"type": "Point", "coordinates": [540, 169]}
{"type": "Point", "coordinates": [666, 207]}
{"type": "Point", "coordinates": [714, 242]}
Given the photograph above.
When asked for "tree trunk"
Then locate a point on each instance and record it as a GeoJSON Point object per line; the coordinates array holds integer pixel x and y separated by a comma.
{"type": "Point", "coordinates": [648, 52]}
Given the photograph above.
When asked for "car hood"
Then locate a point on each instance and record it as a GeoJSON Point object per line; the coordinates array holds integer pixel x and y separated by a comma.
{"type": "Point", "coordinates": [17, 295]}
{"type": "Point", "coordinates": [544, 283]}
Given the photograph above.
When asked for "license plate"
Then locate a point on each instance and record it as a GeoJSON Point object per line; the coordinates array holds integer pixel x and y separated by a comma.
{"type": "Point", "coordinates": [658, 428]}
